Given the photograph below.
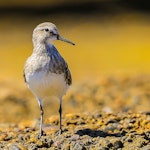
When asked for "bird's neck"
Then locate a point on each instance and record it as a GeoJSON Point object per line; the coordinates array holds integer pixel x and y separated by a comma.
{"type": "Point", "coordinates": [42, 47]}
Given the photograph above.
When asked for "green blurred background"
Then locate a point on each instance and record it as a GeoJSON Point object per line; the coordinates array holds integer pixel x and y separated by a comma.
{"type": "Point", "coordinates": [111, 36]}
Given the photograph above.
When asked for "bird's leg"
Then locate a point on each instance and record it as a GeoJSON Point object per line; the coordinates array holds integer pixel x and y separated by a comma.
{"type": "Point", "coordinates": [60, 114]}
{"type": "Point", "coordinates": [41, 118]}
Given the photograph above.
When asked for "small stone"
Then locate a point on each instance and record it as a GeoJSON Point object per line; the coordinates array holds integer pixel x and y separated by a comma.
{"type": "Point", "coordinates": [147, 147]}
{"type": "Point", "coordinates": [104, 148]}
{"type": "Point", "coordinates": [123, 133]}
{"type": "Point", "coordinates": [147, 135]}
{"type": "Point", "coordinates": [130, 140]}
{"type": "Point", "coordinates": [57, 144]}
{"type": "Point", "coordinates": [16, 146]}
{"type": "Point", "coordinates": [118, 144]}
{"type": "Point", "coordinates": [77, 146]}
{"type": "Point", "coordinates": [46, 141]}
{"type": "Point", "coordinates": [75, 137]}
{"type": "Point", "coordinates": [20, 137]}
{"type": "Point", "coordinates": [27, 137]}
{"type": "Point", "coordinates": [116, 120]}
{"type": "Point", "coordinates": [7, 138]}
{"type": "Point", "coordinates": [109, 145]}
{"type": "Point", "coordinates": [133, 120]}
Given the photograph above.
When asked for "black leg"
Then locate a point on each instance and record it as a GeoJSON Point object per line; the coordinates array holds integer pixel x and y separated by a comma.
{"type": "Point", "coordinates": [41, 118]}
{"type": "Point", "coordinates": [60, 114]}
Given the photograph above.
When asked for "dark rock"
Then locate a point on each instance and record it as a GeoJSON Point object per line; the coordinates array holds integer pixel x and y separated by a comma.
{"type": "Point", "coordinates": [118, 144]}
{"type": "Point", "coordinates": [20, 137]}
{"type": "Point", "coordinates": [104, 148]}
{"type": "Point", "coordinates": [130, 140]}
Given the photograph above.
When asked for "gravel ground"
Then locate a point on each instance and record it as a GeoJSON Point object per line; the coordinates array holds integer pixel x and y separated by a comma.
{"type": "Point", "coordinates": [82, 131]}
{"type": "Point", "coordinates": [109, 113]}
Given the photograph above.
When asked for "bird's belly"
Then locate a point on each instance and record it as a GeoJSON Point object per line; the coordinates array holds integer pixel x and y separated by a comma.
{"type": "Point", "coordinates": [45, 85]}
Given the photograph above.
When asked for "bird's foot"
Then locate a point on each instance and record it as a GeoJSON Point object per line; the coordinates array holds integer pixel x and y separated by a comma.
{"type": "Point", "coordinates": [59, 132]}
{"type": "Point", "coordinates": [41, 133]}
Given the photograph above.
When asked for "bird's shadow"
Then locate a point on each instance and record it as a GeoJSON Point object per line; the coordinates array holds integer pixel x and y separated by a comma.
{"type": "Point", "coordinates": [98, 133]}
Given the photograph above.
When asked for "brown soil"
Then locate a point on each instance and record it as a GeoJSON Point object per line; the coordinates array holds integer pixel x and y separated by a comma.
{"type": "Point", "coordinates": [108, 113]}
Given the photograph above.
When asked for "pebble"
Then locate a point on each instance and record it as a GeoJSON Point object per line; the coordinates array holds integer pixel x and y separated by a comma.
{"type": "Point", "coordinates": [77, 146]}
{"type": "Point", "coordinates": [118, 144]}
{"type": "Point", "coordinates": [16, 146]}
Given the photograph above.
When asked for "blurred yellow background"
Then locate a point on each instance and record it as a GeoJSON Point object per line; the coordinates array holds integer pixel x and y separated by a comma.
{"type": "Point", "coordinates": [106, 42]}
{"type": "Point", "coordinates": [112, 48]}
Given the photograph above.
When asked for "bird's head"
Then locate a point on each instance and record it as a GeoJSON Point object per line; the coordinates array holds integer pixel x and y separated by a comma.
{"type": "Point", "coordinates": [47, 32]}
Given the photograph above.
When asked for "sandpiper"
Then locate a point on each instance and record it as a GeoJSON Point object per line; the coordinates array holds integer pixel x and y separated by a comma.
{"type": "Point", "coordinates": [46, 73]}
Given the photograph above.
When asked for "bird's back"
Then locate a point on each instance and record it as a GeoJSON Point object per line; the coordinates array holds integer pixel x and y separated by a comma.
{"type": "Point", "coordinates": [57, 64]}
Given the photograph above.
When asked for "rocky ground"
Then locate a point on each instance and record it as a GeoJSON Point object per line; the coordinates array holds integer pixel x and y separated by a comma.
{"type": "Point", "coordinates": [108, 113]}
{"type": "Point", "coordinates": [82, 131]}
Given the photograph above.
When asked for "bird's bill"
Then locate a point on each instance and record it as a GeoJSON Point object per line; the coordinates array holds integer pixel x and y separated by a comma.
{"type": "Point", "coordinates": [65, 40]}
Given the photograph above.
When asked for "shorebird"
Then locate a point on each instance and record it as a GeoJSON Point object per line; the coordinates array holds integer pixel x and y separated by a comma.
{"type": "Point", "coordinates": [45, 72]}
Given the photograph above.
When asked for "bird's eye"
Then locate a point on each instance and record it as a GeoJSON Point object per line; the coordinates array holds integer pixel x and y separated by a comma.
{"type": "Point", "coordinates": [46, 29]}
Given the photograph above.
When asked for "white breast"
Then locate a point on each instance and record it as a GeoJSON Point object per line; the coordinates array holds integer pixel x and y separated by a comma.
{"type": "Point", "coordinates": [45, 85]}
